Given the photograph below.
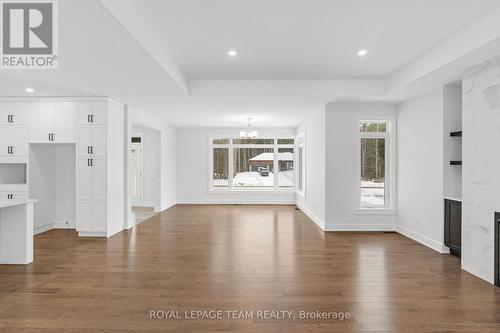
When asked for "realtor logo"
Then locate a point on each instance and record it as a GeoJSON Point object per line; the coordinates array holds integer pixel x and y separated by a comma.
{"type": "Point", "coordinates": [29, 34]}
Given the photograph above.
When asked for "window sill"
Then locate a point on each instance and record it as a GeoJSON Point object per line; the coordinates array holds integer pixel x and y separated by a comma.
{"type": "Point", "coordinates": [252, 191]}
{"type": "Point", "coordinates": [375, 211]}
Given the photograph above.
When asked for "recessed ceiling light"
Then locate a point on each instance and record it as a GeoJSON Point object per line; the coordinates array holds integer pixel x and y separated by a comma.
{"type": "Point", "coordinates": [362, 53]}
{"type": "Point", "coordinates": [232, 53]}
{"type": "Point", "coordinates": [30, 90]}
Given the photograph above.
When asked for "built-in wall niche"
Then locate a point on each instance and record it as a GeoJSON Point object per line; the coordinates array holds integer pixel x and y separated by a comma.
{"type": "Point", "coordinates": [13, 173]}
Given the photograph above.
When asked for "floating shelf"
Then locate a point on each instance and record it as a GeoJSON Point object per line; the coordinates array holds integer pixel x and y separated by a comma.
{"type": "Point", "coordinates": [455, 162]}
{"type": "Point", "coordinates": [457, 134]}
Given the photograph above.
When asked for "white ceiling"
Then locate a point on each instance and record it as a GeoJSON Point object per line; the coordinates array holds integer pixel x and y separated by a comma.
{"type": "Point", "coordinates": [168, 58]}
{"type": "Point", "coordinates": [300, 39]}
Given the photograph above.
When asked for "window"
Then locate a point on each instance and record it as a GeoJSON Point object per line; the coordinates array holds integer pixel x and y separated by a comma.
{"type": "Point", "coordinates": [301, 162]}
{"type": "Point", "coordinates": [251, 164]}
{"type": "Point", "coordinates": [374, 167]}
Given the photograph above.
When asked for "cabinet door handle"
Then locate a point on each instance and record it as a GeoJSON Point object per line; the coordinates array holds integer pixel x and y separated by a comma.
{"type": "Point", "coordinates": [92, 150]}
{"type": "Point", "coordinates": [91, 162]}
{"type": "Point", "coordinates": [88, 118]}
{"type": "Point", "coordinates": [92, 118]}
{"type": "Point", "coordinates": [53, 137]}
{"type": "Point", "coordinates": [10, 150]}
{"type": "Point", "coordinates": [88, 150]}
{"type": "Point", "coordinates": [88, 161]}
{"type": "Point", "coordinates": [11, 118]}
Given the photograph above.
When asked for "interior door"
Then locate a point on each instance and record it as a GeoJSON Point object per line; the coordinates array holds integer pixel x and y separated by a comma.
{"type": "Point", "coordinates": [65, 122]}
{"type": "Point", "coordinates": [136, 174]}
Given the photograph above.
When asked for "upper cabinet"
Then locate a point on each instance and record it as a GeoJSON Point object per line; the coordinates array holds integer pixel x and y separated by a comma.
{"type": "Point", "coordinates": [52, 122]}
{"type": "Point", "coordinates": [91, 113]}
{"type": "Point", "coordinates": [14, 113]}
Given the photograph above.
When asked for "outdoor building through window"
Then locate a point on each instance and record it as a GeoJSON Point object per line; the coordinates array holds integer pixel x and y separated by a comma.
{"type": "Point", "coordinates": [252, 164]}
{"type": "Point", "coordinates": [373, 164]}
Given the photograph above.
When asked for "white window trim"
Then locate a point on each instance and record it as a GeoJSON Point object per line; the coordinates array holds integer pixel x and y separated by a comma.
{"type": "Point", "coordinates": [300, 140]}
{"type": "Point", "coordinates": [390, 168]}
{"type": "Point", "coordinates": [247, 190]}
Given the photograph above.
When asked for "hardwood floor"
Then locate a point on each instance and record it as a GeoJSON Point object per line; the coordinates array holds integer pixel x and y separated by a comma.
{"type": "Point", "coordinates": [241, 258]}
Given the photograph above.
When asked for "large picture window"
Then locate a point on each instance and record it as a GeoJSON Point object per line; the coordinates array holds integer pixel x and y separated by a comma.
{"type": "Point", "coordinates": [252, 164]}
{"type": "Point", "coordinates": [374, 167]}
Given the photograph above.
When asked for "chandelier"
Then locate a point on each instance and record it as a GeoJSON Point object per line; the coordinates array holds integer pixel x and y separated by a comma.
{"type": "Point", "coordinates": [249, 133]}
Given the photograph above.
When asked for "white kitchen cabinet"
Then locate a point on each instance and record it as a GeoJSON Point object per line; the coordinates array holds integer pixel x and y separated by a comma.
{"type": "Point", "coordinates": [14, 113]}
{"type": "Point", "coordinates": [52, 122]}
{"type": "Point", "coordinates": [14, 196]}
{"type": "Point", "coordinates": [14, 141]}
{"type": "Point", "coordinates": [84, 179]}
{"type": "Point", "coordinates": [64, 118]}
{"type": "Point", "coordinates": [91, 140]}
{"type": "Point", "coordinates": [84, 216]}
{"type": "Point", "coordinates": [100, 184]}
{"type": "Point", "coordinates": [92, 113]}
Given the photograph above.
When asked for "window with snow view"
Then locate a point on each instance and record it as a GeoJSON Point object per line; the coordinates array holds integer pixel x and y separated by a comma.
{"type": "Point", "coordinates": [374, 169]}
{"type": "Point", "coordinates": [252, 164]}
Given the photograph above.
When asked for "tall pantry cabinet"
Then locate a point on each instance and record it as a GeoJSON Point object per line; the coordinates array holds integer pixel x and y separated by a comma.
{"type": "Point", "coordinates": [100, 188]}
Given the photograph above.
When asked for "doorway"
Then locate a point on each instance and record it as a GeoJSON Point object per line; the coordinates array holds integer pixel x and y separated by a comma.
{"type": "Point", "coordinates": [136, 173]}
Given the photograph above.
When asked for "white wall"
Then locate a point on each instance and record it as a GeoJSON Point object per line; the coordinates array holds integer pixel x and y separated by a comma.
{"type": "Point", "coordinates": [420, 169]}
{"type": "Point", "coordinates": [42, 179]}
{"type": "Point", "coordinates": [192, 168]}
{"type": "Point", "coordinates": [480, 171]}
{"type": "Point", "coordinates": [167, 178]}
{"type": "Point", "coordinates": [52, 182]}
{"type": "Point", "coordinates": [313, 204]}
{"type": "Point", "coordinates": [151, 155]}
{"type": "Point", "coordinates": [65, 206]}
{"type": "Point", "coordinates": [341, 142]}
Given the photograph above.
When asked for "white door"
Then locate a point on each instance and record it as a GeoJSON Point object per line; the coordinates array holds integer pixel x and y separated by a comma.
{"type": "Point", "coordinates": [65, 122]}
{"type": "Point", "coordinates": [99, 178]}
{"type": "Point", "coordinates": [100, 140]}
{"type": "Point", "coordinates": [85, 140]}
{"type": "Point", "coordinates": [136, 174]}
{"type": "Point", "coordinates": [84, 179]}
{"type": "Point", "coordinates": [41, 122]}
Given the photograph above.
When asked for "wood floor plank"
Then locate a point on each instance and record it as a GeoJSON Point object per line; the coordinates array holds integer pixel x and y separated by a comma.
{"type": "Point", "coordinates": [255, 258]}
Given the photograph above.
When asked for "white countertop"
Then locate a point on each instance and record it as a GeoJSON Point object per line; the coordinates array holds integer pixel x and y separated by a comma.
{"type": "Point", "coordinates": [10, 203]}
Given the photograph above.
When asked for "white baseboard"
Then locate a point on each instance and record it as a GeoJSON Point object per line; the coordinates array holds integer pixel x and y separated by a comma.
{"type": "Point", "coordinates": [168, 205]}
{"type": "Point", "coordinates": [234, 202]}
{"type": "Point", "coordinates": [422, 239]}
{"type": "Point", "coordinates": [319, 222]}
{"type": "Point", "coordinates": [43, 228]}
{"type": "Point", "coordinates": [477, 273]}
{"type": "Point", "coordinates": [64, 225]}
{"type": "Point", "coordinates": [360, 227]}
{"type": "Point", "coordinates": [92, 234]}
